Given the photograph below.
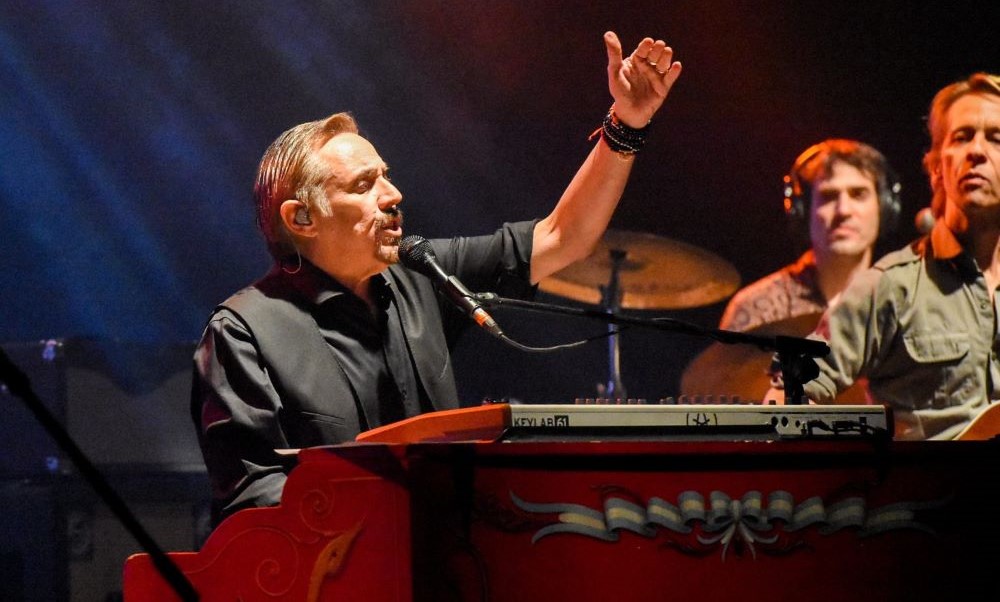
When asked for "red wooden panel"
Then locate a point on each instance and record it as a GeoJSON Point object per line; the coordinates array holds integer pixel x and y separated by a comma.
{"type": "Point", "coordinates": [783, 520]}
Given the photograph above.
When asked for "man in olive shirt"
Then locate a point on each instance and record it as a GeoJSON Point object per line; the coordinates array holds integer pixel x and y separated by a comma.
{"type": "Point", "coordinates": [921, 325]}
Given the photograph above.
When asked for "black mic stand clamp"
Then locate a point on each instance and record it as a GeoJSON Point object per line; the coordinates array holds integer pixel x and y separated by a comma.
{"type": "Point", "coordinates": [797, 368]}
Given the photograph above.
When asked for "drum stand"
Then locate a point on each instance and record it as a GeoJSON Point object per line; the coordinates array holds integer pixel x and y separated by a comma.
{"type": "Point", "coordinates": [636, 270]}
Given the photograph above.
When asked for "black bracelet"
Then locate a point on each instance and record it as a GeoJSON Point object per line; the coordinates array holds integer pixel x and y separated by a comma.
{"type": "Point", "coordinates": [619, 137]}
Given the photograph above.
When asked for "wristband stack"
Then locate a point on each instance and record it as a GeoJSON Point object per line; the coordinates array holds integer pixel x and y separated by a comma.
{"type": "Point", "coordinates": [619, 137]}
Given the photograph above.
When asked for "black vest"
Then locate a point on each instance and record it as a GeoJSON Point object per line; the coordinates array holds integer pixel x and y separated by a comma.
{"type": "Point", "coordinates": [319, 405]}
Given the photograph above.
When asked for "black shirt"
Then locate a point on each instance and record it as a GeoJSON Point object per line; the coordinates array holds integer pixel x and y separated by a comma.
{"type": "Point", "coordinates": [370, 346]}
{"type": "Point", "coordinates": [296, 360]}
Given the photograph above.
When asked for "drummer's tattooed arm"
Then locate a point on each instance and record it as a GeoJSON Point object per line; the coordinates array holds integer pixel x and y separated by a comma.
{"type": "Point", "coordinates": [638, 84]}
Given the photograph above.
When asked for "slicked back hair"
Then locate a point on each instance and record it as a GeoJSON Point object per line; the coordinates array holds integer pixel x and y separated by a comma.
{"type": "Point", "coordinates": [291, 170]}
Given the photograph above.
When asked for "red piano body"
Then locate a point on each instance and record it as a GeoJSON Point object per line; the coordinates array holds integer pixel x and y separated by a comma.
{"type": "Point", "coordinates": [814, 519]}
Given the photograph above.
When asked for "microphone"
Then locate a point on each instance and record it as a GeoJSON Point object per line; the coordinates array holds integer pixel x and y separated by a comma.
{"type": "Point", "coordinates": [416, 254]}
{"type": "Point", "coordinates": [924, 221]}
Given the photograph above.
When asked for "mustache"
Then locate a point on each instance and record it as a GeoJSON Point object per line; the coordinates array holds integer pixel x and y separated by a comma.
{"type": "Point", "coordinates": [392, 215]}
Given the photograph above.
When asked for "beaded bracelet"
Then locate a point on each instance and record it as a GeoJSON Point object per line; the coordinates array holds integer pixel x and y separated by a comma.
{"type": "Point", "coordinates": [619, 137]}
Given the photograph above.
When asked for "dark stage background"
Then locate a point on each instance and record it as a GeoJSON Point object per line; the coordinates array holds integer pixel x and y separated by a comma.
{"type": "Point", "coordinates": [130, 132]}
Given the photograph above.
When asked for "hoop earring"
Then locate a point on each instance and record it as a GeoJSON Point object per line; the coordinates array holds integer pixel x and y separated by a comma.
{"type": "Point", "coordinates": [298, 268]}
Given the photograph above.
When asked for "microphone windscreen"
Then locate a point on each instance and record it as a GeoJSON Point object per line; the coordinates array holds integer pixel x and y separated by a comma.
{"type": "Point", "coordinates": [414, 252]}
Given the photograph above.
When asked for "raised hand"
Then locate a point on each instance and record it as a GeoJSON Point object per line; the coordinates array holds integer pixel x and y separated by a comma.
{"type": "Point", "coordinates": [640, 82]}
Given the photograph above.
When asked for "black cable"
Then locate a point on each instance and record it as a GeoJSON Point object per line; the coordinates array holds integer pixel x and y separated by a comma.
{"type": "Point", "coordinates": [560, 347]}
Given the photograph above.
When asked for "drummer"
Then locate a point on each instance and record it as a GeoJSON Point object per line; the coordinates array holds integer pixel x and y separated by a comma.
{"type": "Point", "coordinates": [841, 196]}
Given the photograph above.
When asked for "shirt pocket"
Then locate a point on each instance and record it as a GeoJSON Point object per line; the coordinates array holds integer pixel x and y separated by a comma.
{"type": "Point", "coordinates": [936, 347]}
{"type": "Point", "coordinates": [938, 377]}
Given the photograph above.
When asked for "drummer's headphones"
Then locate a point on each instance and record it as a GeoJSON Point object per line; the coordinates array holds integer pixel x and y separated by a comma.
{"type": "Point", "coordinates": [798, 190]}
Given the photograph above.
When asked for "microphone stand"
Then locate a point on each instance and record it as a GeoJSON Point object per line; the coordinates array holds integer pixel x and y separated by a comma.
{"type": "Point", "coordinates": [612, 302]}
{"type": "Point", "coordinates": [19, 384]}
{"type": "Point", "coordinates": [794, 353]}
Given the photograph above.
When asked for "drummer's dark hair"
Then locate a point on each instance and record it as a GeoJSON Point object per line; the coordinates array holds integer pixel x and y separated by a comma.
{"type": "Point", "coordinates": [817, 162]}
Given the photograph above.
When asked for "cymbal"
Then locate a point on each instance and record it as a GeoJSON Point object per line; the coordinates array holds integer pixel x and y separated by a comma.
{"type": "Point", "coordinates": [742, 370]}
{"type": "Point", "coordinates": [657, 273]}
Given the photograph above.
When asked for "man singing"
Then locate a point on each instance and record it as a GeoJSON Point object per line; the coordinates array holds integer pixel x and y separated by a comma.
{"type": "Point", "coordinates": [337, 338]}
